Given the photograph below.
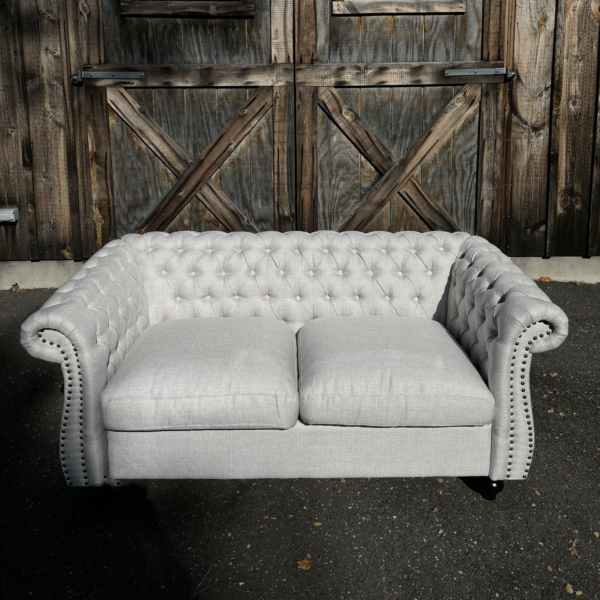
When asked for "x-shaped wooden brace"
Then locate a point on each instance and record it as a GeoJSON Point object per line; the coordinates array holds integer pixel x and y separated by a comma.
{"type": "Point", "coordinates": [398, 172]}
{"type": "Point", "coordinates": [194, 176]}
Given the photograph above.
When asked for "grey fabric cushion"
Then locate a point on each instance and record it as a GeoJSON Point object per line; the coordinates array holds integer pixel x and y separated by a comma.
{"type": "Point", "coordinates": [235, 373]}
{"type": "Point", "coordinates": [388, 372]}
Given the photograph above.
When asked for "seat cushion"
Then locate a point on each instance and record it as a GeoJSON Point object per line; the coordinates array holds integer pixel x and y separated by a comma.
{"type": "Point", "coordinates": [219, 373]}
{"type": "Point", "coordinates": [388, 372]}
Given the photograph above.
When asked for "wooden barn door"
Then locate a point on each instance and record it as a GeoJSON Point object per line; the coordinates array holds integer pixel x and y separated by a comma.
{"type": "Point", "coordinates": [394, 129]}
{"type": "Point", "coordinates": [199, 114]}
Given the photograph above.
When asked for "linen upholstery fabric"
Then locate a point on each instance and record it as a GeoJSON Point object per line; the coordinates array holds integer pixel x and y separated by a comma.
{"type": "Point", "coordinates": [494, 310]}
{"type": "Point", "coordinates": [233, 373]}
{"type": "Point", "coordinates": [388, 372]}
{"type": "Point", "coordinates": [95, 317]}
{"type": "Point", "coordinates": [303, 451]}
{"type": "Point", "coordinates": [295, 276]}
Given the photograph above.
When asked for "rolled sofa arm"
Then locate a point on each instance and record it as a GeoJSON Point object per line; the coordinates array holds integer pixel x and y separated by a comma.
{"type": "Point", "coordinates": [501, 317]}
{"type": "Point", "coordinates": [88, 326]}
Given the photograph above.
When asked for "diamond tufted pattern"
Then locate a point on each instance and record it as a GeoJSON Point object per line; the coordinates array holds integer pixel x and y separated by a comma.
{"type": "Point", "coordinates": [295, 276]}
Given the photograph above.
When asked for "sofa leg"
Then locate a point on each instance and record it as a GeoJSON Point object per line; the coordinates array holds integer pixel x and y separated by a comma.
{"type": "Point", "coordinates": [484, 486]}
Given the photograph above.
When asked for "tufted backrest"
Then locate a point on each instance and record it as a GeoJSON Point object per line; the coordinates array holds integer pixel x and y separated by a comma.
{"type": "Point", "coordinates": [295, 276]}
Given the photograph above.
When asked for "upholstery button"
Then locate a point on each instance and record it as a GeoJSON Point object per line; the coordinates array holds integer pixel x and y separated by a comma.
{"type": "Point", "coordinates": [163, 273]}
{"type": "Point", "coordinates": [429, 273]}
{"type": "Point", "coordinates": [267, 296]}
{"type": "Point", "coordinates": [178, 298]}
{"type": "Point", "coordinates": [209, 250]}
{"type": "Point", "coordinates": [384, 251]}
{"type": "Point", "coordinates": [357, 297]}
{"type": "Point", "coordinates": [297, 297]}
{"type": "Point", "coordinates": [325, 249]}
{"type": "Point", "coordinates": [311, 273]}
{"type": "Point", "coordinates": [354, 250]}
{"type": "Point", "coordinates": [223, 273]}
{"type": "Point", "coordinates": [413, 251]}
{"type": "Point", "coordinates": [296, 250]}
{"type": "Point", "coordinates": [252, 273]}
{"type": "Point", "coordinates": [400, 273]}
{"type": "Point", "coordinates": [267, 250]}
{"type": "Point", "coordinates": [281, 273]}
{"type": "Point", "coordinates": [236, 297]}
{"type": "Point", "coordinates": [192, 274]}
{"type": "Point", "coordinates": [416, 298]}
{"type": "Point", "coordinates": [387, 298]}
{"type": "Point", "coordinates": [340, 272]}
{"type": "Point", "coordinates": [328, 296]}
{"type": "Point", "coordinates": [369, 273]}
{"type": "Point", "coordinates": [207, 297]}
{"type": "Point", "coordinates": [442, 249]}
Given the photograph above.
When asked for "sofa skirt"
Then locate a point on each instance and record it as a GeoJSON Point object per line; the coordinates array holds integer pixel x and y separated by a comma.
{"type": "Point", "coordinates": [310, 451]}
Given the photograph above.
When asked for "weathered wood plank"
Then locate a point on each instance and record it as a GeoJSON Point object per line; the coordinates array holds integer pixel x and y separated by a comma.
{"type": "Point", "coordinates": [451, 117]}
{"type": "Point", "coordinates": [427, 207]}
{"type": "Point", "coordinates": [306, 157]}
{"type": "Point", "coordinates": [398, 7]}
{"type": "Point", "coordinates": [45, 53]}
{"type": "Point", "coordinates": [530, 121]}
{"type": "Point", "coordinates": [188, 8]}
{"type": "Point", "coordinates": [306, 31]}
{"type": "Point", "coordinates": [17, 241]}
{"type": "Point", "coordinates": [154, 136]}
{"type": "Point", "coordinates": [282, 31]}
{"type": "Point", "coordinates": [594, 232]}
{"type": "Point", "coordinates": [382, 159]}
{"type": "Point", "coordinates": [258, 32]}
{"type": "Point", "coordinates": [391, 74]}
{"type": "Point", "coordinates": [172, 155]}
{"type": "Point", "coordinates": [490, 130]}
{"type": "Point", "coordinates": [407, 126]}
{"type": "Point", "coordinates": [375, 106]}
{"type": "Point", "coordinates": [282, 166]}
{"type": "Point", "coordinates": [571, 207]}
{"type": "Point", "coordinates": [202, 169]}
{"type": "Point", "coordinates": [219, 75]}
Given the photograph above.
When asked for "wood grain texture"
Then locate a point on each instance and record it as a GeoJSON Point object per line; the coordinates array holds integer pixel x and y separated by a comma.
{"type": "Point", "coordinates": [283, 166]}
{"type": "Point", "coordinates": [306, 157]}
{"type": "Point", "coordinates": [530, 123]}
{"type": "Point", "coordinates": [493, 31]}
{"type": "Point", "coordinates": [369, 144]}
{"type": "Point", "coordinates": [188, 8]}
{"type": "Point", "coordinates": [441, 129]}
{"type": "Point", "coordinates": [306, 31]}
{"type": "Point", "coordinates": [18, 241]}
{"type": "Point", "coordinates": [220, 75]}
{"type": "Point", "coordinates": [206, 165]}
{"type": "Point", "coordinates": [282, 31]}
{"type": "Point", "coordinates": [570, 208]}
{"type": "Point", "coordinates": [390, 74]}
{"type": "Point", "coordinates": [399, 7]}
{"type": "Point", "coordinates": [594, 230]}
{"type": "Point", "coordinates": [160, 142]}
{"type": "Point", "coordinates": [46, 66]}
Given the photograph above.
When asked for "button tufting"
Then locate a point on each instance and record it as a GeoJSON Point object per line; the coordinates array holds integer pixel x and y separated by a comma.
{"type": "Point", "coordinates": [311, 273]}
{"type": "Point", "coordinates": [236, 297]}
{"type": "Point", "coordinates": [370, 273]}
{"type": "Point", "coordinates": [297, 297]}
{"type": "Point", "coordinates": [267, 296]}
{"type": "Point", "coordinates": [416, 298]}
{"type": "Point", "coordinates": [281, 273]}
{"type": "Point", "coordinates": [354, 250]}
{"type": "Point", "coordinates": [163, 273]}
{"type": "Point", "coordinates": [327, 296]}
{"type": "Point", "coordinates": [209, 250]}
{"type": "Point", "coordinates": [400, 273]}
{"type": "Point", "coordinates": [429, 273]}
{"type": "Point", "coordinates": [340, 272]}
{"type": "Point", "coordinates": [223, 273]}
{"type": "Point", "coordinates": [252, 273]}
{"type": "Point", "coordinates": [387, 298]}
{"type": "Point", "coordinates": [384, 251]}
{"type": "Point", "coordinates": [325, 249]}
{"type": "Point", "coordinates": [207, 297]}
{"type": "Point", "coordinates": [193, 274]}
{"type": "Point", "coordinates": [267, 250]}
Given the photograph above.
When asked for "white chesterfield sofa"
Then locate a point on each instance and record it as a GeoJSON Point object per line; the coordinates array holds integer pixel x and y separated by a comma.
{"type": "Point", "coordinates": [215, 355]}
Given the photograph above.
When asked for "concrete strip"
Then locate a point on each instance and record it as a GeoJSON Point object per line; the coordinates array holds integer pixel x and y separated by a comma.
{"type": "Point", "coordinates": [31, 275]}
{"type": "Point", "coordinates": [53, 273]}
{"type": "Point", "coordinates": [561, 268]}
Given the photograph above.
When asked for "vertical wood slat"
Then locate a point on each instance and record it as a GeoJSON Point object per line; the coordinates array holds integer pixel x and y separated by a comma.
{"type": "Point", "coordinates": [306, 108]}
{"type": "Point", "coordinates": [573, 132]}
{"type": "Point", "coordinates": [17, 241]}
{"type": "Point", "coordinates": [46, 62]}
{"type": "Point", "coordinates": [530, 124]}
{"type": "Point", "coordinates": [282, 148]}
{"type": "Point", "coordinates": [594, 231]}
{"type": "Point", "coordinates": [490, 129]}
{"type": "Point", "coordinates": [282, 31]}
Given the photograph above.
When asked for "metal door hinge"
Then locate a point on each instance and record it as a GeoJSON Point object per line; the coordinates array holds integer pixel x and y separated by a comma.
{"type": "Point", "coordinates": [82, 75]}
{"type": "Point", "coordinates": [507, 72]}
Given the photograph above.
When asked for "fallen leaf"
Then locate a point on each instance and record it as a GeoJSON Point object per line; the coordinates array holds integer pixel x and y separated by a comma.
{"type": "Point", "coordinates": [248, 546]}
{"type": "Point", "coordinates": [343, 480]}
{"type": "Point", "coordinates": [569, 589]}
{"type": "Point", "coordinates": [435, 509]}
{"type": "Point", "coordinates": [551, 411]}
{"type": "Point", "coordinates": [440, 480]}
{"type": "Point", "coordinates": [541, 543]}
{"type": "Point", "coordinates": [549, 568]}
{"type": "Point", "coordinates": [553, 374]}
{"type": "Point", "coordinates": [562, 414]}
{"type": "Point", "coordinates": [228, 535]}
{"type": "Point", "coordinates": [308, 556]}
{"type": "Point", "coordinates": [537, 493]}
{"type": "Point", "coordinates": [545, 279]}
{"type": "Point", "coordinates": [15, 288]}
{"type": "Point", "coordinates": [597, 534]}
{"type": "Point", "coordinates": [273, 518]}
{"type": "Point", "coordinates": [572, 548]}
{"type": "Point", "coordinates": [578, 592]}
{"type": "Point", "coordinates": [266, 517]}
{"type": "Point", "coordinates": [317, 524]}
{"type": "Point", "coordinates": [305, 565]}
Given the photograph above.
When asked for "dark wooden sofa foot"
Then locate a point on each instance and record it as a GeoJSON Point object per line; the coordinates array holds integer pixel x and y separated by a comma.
{"type": "Point", "coordinates": [484, 486]}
